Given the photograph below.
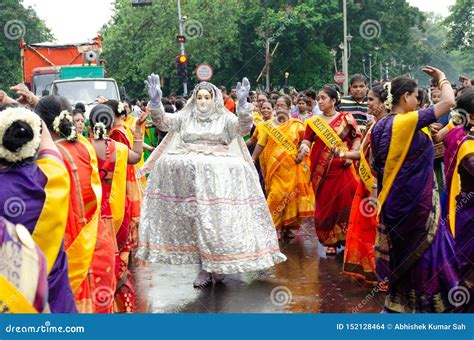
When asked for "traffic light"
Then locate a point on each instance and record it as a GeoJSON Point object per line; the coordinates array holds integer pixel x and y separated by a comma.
{"type": "Point", "coordinates": [182, 67]}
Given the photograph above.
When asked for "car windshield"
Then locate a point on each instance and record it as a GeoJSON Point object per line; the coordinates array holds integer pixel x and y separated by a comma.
{"type": "Point", "coordinates": [43, 82]}
{"type": "Point", "coordinates": [86, 91]}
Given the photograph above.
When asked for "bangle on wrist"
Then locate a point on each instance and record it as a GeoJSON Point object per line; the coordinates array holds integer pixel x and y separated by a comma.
{"type": "Point", "coordinates": [450, 125]}
{"type": "Point", "coordinates": [443, 82]}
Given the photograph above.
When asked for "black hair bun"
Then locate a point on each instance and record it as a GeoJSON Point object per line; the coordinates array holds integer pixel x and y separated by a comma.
{"type": "Point", "coordinates": [16, 135]}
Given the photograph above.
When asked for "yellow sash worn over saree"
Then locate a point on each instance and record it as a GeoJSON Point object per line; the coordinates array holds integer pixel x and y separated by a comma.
{"type": "Point", "coordinates": [119, 185]}
{"type": "Point", "coordinates": [279, 137]}
{"type": "Point", "coordinates": [365, 172]}
{"type": "Point", "coordinates": [329, 137]}
{"type": "Point", "coordinates": [403, 131]}
{"type": "Point", "coordinates": [49, 230]}
{"type": "Point", "coordinates": [14, 299]}
{"type": "Point", "coordinates": [81, 250]}
{"type": "Point", "coordinates": [466, 148]}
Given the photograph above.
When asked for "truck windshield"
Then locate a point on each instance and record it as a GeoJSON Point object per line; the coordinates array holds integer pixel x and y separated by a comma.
{"type": "Point", "coordinates": [43, 82]}
{"type": "Point", "coordinates": [86, 91]}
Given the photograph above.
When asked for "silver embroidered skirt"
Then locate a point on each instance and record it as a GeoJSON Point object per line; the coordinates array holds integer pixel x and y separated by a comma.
{"type": "Point", "coordinates": [209, 209]}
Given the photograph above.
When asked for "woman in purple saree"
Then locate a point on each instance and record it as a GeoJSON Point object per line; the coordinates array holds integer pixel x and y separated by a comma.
{"type": "Point", "coordinates": [35, 193]}
{"type": "Point", "coordinates": [413, 254]}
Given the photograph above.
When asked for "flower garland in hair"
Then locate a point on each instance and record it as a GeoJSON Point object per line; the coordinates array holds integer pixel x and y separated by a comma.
{"type": "Point", "coordinates": [57, 122]}
{"type": "Point", "coordinates": [28, 150]}
{"type": "Point", "coordinates": [120, 107]}
{"type": "Point", "coordinates": [388, 103]}
{"type": "Point", "coordinates": [99, 130]}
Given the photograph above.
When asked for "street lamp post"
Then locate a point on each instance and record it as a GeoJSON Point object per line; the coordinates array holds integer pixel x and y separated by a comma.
{"type": "Point", "coordinates": [181, 45]}
{"type": "Point", "coordinates": [370, 65]}
{"type": "Point", "coordinates": [334, 53]}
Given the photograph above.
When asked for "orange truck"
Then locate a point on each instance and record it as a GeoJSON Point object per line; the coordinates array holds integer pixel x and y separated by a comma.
{"type": "Point", "coordinates": [42, 62]}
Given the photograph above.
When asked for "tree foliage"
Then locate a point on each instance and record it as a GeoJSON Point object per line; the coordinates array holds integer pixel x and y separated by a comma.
{"type": "Point", "coordinates": [460, 25]}
{"type": "Point", "coordinates": [139, 41]}
{"type": "Point", "coordinates": [17, 21]}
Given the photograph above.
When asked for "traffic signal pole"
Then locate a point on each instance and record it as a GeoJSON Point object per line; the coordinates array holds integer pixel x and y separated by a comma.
{"type": "Point", "coordinates": [181, 45]}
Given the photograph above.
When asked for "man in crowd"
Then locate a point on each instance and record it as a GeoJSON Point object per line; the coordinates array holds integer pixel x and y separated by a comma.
{"type": "Point", "coordinates": [313, 104]}
{"type": "Point", "coordinates": [356, 101]}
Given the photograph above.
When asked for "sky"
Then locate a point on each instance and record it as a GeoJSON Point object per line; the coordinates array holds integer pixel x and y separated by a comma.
{"type": "Point", "coordinates": [79, 20]}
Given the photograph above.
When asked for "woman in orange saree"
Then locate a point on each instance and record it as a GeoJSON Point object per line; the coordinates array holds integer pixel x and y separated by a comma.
{"type": "Point", "coordinates": [334, 180]}
{"type": "Point", "coordinates": [289, 196]}
{"type": "Point", "coordinates": [359, 253]}
{"type": "Point", "coordinates": [121, 133]}
{"type": "Point", "coordinates": [88, 243]}
{"type": "Point", "coordinates": [113, 159]}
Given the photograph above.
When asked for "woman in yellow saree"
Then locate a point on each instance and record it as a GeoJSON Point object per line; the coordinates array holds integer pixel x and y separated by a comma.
{"type": "Point", "coordinates": [290, 197]}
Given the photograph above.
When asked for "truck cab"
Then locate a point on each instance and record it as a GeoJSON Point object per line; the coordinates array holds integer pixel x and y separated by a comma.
{"type": "Point", "coordinates": [86, 90]}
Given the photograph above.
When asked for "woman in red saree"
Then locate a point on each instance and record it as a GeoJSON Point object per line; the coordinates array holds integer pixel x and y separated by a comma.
{"type": "Point", "coordinates": [359, 253]}
{"type": "Point", "coordinates": [88, 243]}
{"type": "Point", "coordinates": [122, 133]}
{"type": "Point", "coordinates": [113, 159]}
{"type": "Point", "coordinates": [334, 180]}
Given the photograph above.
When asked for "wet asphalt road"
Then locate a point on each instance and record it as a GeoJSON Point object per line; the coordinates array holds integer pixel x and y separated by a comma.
{"type": "Point", "coordinates": [307, 282]}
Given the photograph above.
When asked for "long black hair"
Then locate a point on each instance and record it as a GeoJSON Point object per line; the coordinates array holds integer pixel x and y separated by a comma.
{"type": "Point", "coordinates": [49, 107]}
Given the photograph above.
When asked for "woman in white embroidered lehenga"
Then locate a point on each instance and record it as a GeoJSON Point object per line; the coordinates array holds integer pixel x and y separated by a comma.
{"type": "Point", "coordinates": [203, 202]}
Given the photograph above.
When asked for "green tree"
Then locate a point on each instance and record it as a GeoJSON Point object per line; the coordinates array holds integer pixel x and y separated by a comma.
{"type": "Point", "coordinates": [139, 41]}
{"type": "Point", "coordinates": [232, 39]}
{"type": "Point", "coordinates": [460, 25]}
{"type": "Point", "coordinates": [16, 21]}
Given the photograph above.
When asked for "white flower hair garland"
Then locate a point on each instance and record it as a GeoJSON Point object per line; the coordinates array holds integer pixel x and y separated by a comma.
{"type": "Point", "coordinates": [388, 103]}
{"type": "Point", "coordinates": [7, 118]}
{"type": "Point", "coordinates": [57, 122]}
{"type": "Point", "coordinates": [120, 107]}
{"type": "Point", "coordinates": [99, 130]}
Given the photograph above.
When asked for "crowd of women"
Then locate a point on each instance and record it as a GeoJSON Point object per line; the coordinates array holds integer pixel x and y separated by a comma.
{"type": "Point", "coordinates": [70, 204]}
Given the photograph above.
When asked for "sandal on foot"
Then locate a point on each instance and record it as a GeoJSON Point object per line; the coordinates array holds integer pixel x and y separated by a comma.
{"type": "Point", "coordinates": [331, 251]}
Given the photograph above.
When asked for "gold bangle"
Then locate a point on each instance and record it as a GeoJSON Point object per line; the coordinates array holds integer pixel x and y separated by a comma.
{"type": "Point", "coordinates": [444, 82]}
{"type": "Point", "coordinates": [450, 125]}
